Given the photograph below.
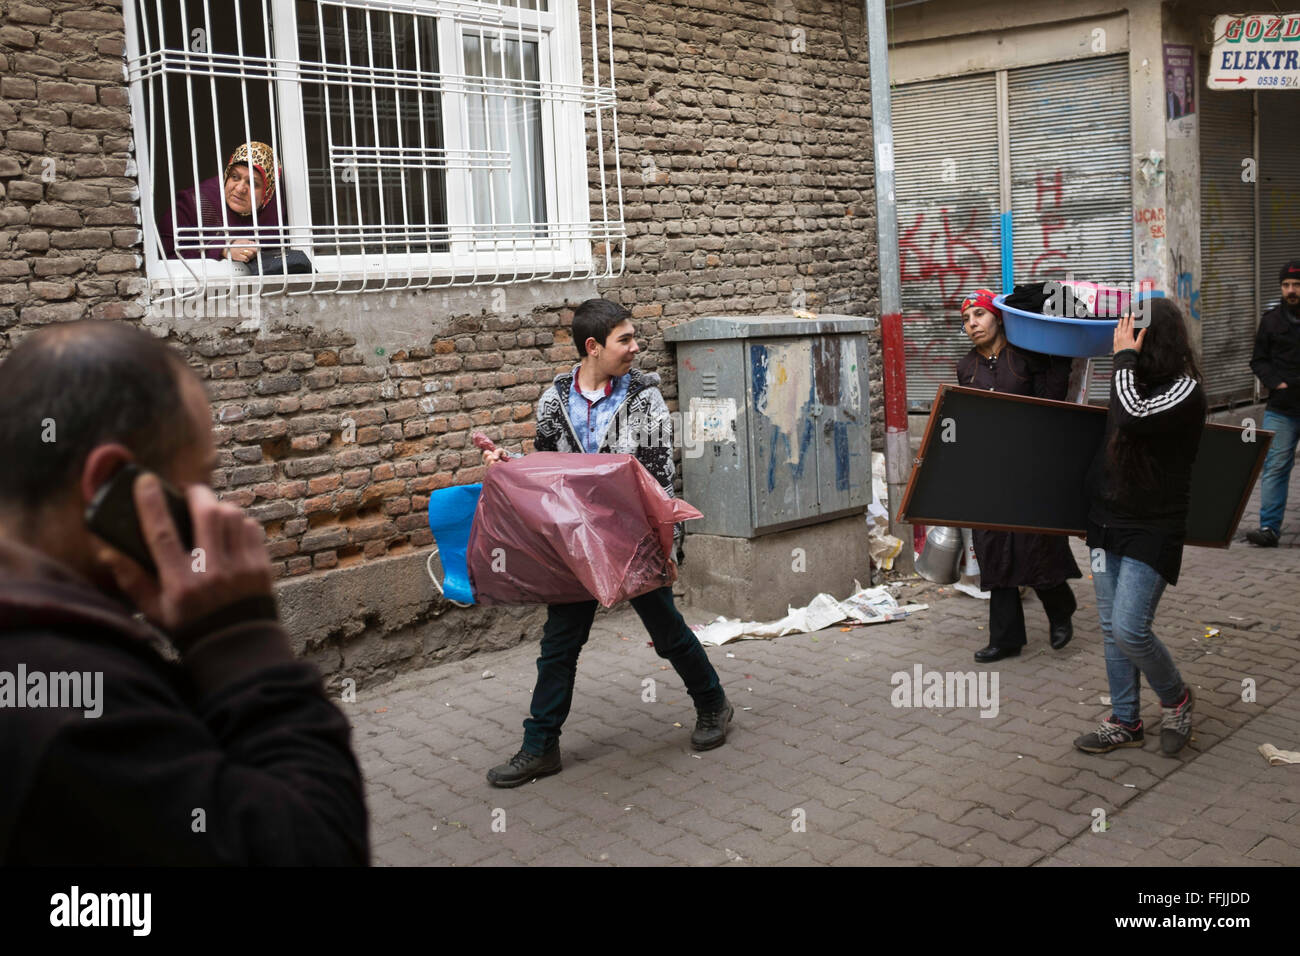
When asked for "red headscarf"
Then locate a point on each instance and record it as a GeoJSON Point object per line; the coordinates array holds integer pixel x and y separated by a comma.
{"type": "Point", "coordinates": [983, 298]}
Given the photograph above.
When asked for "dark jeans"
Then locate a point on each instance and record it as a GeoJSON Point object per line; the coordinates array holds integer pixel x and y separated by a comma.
{"type": "Point", "coordinates": [567, 628]}
{"type": "Point", "coordinates": [1007, 616]}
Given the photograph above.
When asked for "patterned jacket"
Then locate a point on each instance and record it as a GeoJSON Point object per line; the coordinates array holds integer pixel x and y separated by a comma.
{"type": "Point", "coordinates": [641, 427]}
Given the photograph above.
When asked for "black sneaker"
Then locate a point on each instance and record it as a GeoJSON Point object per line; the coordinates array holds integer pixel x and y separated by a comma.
{"type": "Point", "coordinates": [711, 726]}
{"type": "Point", "coordinates": [1176, 725]}
{"type": "Point", "coordinates": [1264, 538]}
{"type": "Point", "coordinates": [1110, 735]}
{"type": "Point", "coordinates": [525, 766]}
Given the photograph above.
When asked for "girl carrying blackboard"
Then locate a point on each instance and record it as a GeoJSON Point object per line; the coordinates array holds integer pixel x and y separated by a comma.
{"type": "Point", "coordinates": [1009, 560]}
{"type": "Point", "coordinates": [1140, 484]}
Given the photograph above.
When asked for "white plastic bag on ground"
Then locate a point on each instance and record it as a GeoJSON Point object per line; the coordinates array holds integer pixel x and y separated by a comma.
{"type": "Point", "coordinates": [881, 545]}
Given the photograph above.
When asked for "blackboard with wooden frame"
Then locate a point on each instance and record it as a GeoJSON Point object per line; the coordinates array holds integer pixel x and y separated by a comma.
{"type": "Point", "coordinates": [1016, 463]}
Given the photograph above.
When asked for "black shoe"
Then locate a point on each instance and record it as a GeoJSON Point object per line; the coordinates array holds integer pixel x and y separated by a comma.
{"type": "Point", "coordinates": [1061, 634]}
{"type": "Point", "coordinates": [987, 655]}
{"type": "Point", "coordinates": [525, 766]}
{"type": "Point", "coordinates": [1264, 538]}
{"type": "Point", "coordinates": [711, 726]}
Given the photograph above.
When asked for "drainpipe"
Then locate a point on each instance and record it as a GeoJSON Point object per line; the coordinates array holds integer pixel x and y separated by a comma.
{"type": "Point", "coordinates": [898, 449]}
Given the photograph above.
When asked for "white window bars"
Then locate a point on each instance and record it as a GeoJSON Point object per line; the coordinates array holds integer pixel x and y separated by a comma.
{"type": "Point", "coordinates": [413, 144]}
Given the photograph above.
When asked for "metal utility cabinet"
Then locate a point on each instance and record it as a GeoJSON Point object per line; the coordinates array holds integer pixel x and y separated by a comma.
{"type": "Point", "coordinates": [776, 438]}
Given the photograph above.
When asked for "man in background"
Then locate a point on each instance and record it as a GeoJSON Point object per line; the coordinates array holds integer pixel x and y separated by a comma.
{"type": "Point", "coordinates": [1276, 363]}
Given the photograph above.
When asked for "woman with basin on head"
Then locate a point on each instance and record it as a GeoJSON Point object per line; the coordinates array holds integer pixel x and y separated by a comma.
{"type": "Point", "coordinates": [1009, 560]}
{"type": "Point", "coordinates": [249, 180]}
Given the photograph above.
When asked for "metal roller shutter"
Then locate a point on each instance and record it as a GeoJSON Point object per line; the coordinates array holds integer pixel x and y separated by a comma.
{"type": "Point", "coordinates": [1070, 177]}
{"type": "Point", "coordinates": [946, 156]}
{"type": "Point", "coordinates": [1279, 187]}
{"type": "Point", "coordinates": [1227, 302]}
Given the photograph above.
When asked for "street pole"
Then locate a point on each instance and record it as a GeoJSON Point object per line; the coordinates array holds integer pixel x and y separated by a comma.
{"type": "Point", "coordinates": [898, 449]}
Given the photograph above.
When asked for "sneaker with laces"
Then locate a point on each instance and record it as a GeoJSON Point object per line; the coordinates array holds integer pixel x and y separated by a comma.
{"type": "Point", "coordinates": [1176, 724]}
{"type": "Point", "coordinates": [1110, 735]}
{"type": "Point", "coordinates": [525, 766]}
{"type": "Point", "coordinates": [1263, 538]}
{"type": "Point", "coordinates": [711, 726]}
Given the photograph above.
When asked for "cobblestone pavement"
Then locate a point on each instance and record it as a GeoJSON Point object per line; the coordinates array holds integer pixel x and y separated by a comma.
{"type": "Point", "coordinates": [817, 741]}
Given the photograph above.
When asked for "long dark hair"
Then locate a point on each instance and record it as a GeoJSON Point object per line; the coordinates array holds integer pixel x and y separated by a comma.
{"type": "Point", "coordinates": [1166, 354]}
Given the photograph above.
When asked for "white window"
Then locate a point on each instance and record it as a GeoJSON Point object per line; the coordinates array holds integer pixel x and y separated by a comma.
{"type": "Point", "coordinates": [420, 143]}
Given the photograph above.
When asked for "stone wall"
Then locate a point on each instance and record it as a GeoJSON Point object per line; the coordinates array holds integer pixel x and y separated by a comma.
{"type": "Point", "coordinates": [71, 237]}
{"type": "Point", "coordinates": [746, 169]}
{"type": "Point", "coordinates": [745, 132]}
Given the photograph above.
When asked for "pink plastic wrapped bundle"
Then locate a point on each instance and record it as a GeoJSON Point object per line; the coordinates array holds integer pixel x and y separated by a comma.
{"type": "Point", "coordinates": [555, 528]}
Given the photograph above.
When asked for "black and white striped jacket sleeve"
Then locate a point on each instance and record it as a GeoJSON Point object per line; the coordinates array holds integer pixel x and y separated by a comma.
{"type": "Point", "coordinates": [1166, 407]}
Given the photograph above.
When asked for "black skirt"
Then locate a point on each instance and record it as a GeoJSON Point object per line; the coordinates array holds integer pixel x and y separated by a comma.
{"type": "Point", "coordinates": [1011, 559]}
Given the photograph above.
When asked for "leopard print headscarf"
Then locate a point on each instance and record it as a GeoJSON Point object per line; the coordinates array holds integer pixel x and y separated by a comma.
{"type": "Point", "coordinates": [261, 158]}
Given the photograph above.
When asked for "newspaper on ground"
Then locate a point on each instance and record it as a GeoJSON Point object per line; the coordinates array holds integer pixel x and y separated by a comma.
{"type": "Point", "coordinates": [864, 606]}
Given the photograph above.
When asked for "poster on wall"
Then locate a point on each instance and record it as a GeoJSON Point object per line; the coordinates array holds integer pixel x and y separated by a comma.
{"type": "Point", "coordinates": [1180, 89]}
{"type": "Point", "coordinates": [1256, 52]}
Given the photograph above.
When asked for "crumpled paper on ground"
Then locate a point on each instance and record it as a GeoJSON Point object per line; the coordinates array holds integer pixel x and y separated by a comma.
{"type": "Point", "coordinates": [1277, 758]}
{"type": "Point", "coordinates": [881, 545]}
{"type": "Point", "coordinates": [865, 606]}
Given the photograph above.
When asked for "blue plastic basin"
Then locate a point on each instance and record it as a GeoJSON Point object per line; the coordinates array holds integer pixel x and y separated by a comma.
{"type": "Point", "coordinates": [1079, 338]}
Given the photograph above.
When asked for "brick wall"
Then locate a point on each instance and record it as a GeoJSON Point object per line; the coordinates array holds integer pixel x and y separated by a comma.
{"type": "Point", "coordinates": [68, 203]}
{"type": "Point", "coordinates": [746, 164]}
{"type": "Point", "coordinates": [745, 131]}
{"type": "Point", "coordinates": [337, 457]}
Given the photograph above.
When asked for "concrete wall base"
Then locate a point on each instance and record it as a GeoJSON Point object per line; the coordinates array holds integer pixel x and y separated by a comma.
{"type": "Point", "coordinates": [758, 579]}
{"type": "Point", "coordinates": [371, 621]}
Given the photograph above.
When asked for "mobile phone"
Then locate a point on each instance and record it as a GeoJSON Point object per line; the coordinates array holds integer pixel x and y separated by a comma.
{"type": "Point", "coordinates": [111, 514]}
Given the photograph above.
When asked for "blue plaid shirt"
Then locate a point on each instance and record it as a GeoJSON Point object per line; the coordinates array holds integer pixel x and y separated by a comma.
{"type": "Point", "coordinates": [591, 419]}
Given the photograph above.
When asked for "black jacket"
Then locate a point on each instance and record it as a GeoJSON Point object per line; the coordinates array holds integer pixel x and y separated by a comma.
{"type": "Point", "coordinates": [641, 427]}
{"type": "Point", "coordinates": [1276, 359]}
{"type": "Point", "coordinates": [1016, 372]}
{"type": "Point", "coordinates": [1163, 426]}
{"type": "Point", "coordinates": [233, 755]}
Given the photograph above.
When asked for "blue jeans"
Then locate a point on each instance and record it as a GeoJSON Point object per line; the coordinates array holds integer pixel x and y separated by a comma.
{"type": "Point", "coordinates": [1127, 594]}
{"type": "Point", "coordinates": [1273, 480]}
{"type": "Point", "coordinates": [567, 628]}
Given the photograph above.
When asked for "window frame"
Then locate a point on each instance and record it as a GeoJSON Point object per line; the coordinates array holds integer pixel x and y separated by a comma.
{"type": "Point", "coordinates": [563, 250]}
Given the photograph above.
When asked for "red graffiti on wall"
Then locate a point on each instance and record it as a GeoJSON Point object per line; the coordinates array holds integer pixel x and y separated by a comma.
{"type": "Point", "coordinates": [1050, 219]}
{"type": "Point", "coordinates": [943, 255]}
{"type": "Point", "coordinates": [1153, 218]}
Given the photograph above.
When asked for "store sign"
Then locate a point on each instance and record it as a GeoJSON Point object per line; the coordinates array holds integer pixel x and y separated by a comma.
{"type": "Point", "coordinates": [1256, 52]}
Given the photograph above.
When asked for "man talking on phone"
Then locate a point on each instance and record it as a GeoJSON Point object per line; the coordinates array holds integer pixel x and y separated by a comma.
{"type": "Point", "coordinates": [186, 733]}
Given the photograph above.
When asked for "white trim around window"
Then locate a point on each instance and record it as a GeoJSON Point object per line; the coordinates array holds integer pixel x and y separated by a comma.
{"type": "Point", "coordinates": [420, 143]}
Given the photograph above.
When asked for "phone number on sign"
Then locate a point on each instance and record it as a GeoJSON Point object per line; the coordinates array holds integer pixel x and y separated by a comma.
{"type": "Point", "coordinates": [1279, 81]}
